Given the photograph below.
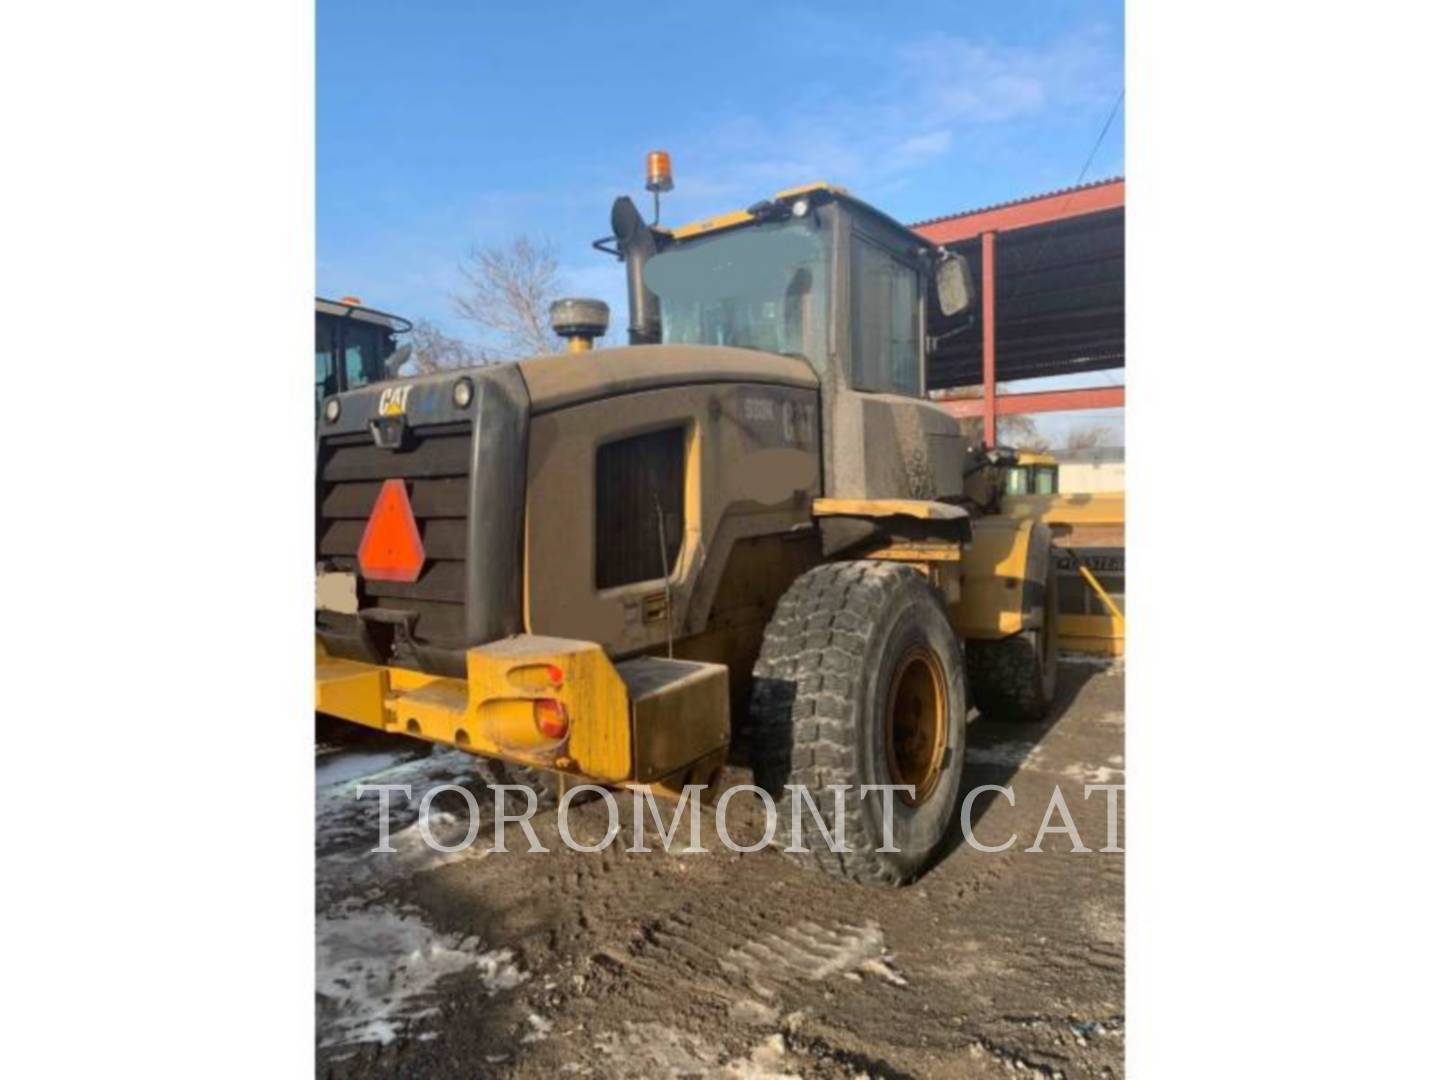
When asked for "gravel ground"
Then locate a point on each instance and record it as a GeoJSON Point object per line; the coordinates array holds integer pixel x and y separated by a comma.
{"type": "Point", "coordinates": [724, 964]}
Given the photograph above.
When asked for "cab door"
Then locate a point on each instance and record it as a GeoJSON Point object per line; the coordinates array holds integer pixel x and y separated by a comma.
{"type": "Point", "coordinates": [886, 439]}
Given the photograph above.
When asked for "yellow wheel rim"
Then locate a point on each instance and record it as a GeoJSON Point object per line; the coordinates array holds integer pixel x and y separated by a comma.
{"type": "Point", "coordinates": [917, 723]}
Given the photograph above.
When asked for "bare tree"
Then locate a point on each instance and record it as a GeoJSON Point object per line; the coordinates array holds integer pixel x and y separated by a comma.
{"type": "Point", "coordinates": [507, 293]}
{"type": "Point", "coordinates": [431, 349]}
{"type": "Point", "coordinates": [1087, 438]}
{"type": "Point", "coordinates": [1021, 433]}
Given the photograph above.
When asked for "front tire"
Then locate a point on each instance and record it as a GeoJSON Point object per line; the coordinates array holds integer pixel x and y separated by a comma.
{"type": "Point", "coordinates": [861, 681]}
{"type": "Point", "coordinates": [1013, 679]}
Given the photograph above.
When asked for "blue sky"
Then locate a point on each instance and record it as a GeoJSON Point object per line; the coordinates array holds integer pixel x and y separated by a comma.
{"type": "Point", "coordinates": [442, 124]}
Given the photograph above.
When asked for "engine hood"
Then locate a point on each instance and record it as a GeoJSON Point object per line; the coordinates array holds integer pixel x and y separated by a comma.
{"type": "Point", "coordinates": [566, 379]}
{"type": "Point", "coordinates": [421, 399]}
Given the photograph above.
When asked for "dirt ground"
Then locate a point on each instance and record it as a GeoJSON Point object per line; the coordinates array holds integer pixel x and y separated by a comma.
{"type": "Point", "coordinates": [723, 964]}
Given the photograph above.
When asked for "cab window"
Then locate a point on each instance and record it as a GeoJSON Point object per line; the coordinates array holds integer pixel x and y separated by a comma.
{"type": "Point", "coordinates": [327, 377]}
{"type": "Point", "coordinates": [1045, 480]}
{"type": "Point", "coordinates": [365, 352]}
{"type": "Point", "coordinates": [884, 334]}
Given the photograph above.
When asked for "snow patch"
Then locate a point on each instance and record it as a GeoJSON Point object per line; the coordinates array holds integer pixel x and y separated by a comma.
{"type": "Point", "coordinates": [365, 874]}
{"type": "Point", "coordinates": [1092, 774]}
{"type": "Point", "coordinates": [345, 819]}
{"type": "Point", "coordinates": [1112, 665]}
{"type": "Point", "coordinates": [375, 968]}
{"type": "Point", "coordinates": [767, 1061]}
{"type": "Point", "coordinates": [652, 1049]}
{"type": "Point", "coordinates": [539, 1028]}
{"type": "Point", "coordinates": [880, 966]}
{"type": "Point", "coordinates": [343, 766]}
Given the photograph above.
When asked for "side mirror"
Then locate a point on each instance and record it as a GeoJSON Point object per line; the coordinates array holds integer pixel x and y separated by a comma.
{"type": "Point", "coordinates": [954, 285]}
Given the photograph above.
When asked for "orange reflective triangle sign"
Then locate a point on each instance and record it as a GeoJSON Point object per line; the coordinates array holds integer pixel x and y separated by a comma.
{"type": "Point", "coordinates": [391, 549]}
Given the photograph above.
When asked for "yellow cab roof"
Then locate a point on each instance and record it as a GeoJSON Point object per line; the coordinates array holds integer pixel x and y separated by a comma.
{"type": "Point", "coordinates": [743, 217]}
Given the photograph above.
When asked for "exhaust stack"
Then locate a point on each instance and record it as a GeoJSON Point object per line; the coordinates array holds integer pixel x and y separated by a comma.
{"type": "Point", "coordinates": [637, 244]}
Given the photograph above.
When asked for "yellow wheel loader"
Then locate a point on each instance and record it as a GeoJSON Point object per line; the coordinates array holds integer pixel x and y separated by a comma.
{"type": "Point", "coordinates": [744, 536]}
{"type": "Point", "coordinates": [354, 345]}
{"type": "Point", "coordinates": [1033, 473]}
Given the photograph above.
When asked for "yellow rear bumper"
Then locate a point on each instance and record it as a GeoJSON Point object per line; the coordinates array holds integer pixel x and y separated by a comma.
{"type": "Point", "coordinates": [639, 721]}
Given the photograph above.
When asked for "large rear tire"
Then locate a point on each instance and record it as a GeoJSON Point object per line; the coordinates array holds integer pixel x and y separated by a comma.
{"type": "Point", "coordinates": [861, 681]}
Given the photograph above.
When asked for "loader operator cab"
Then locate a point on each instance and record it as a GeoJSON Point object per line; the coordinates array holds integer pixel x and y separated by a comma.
{"type": "Point", "coordinates": [812, 272]}
{"type": "Point", "coordinates": [815, 273]}
{"type": "Point", "coordinates": [354, 346]}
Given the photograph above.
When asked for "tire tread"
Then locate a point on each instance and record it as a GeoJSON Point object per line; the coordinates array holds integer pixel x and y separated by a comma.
{"type": "Point", "coordinates": [816, 642]}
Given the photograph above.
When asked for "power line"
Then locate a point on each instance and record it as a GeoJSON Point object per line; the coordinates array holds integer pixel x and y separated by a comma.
{"type": "Point", "coordinates": [1044, 243]}
{"type": "Point", "coordinates": [1114, 109]}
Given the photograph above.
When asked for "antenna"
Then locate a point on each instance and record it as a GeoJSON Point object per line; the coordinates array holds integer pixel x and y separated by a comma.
{"type": "Point", "coordinates": [664, 566]}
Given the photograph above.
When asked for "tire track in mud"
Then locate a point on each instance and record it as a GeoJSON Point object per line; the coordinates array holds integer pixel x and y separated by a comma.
{"type": "Point", "coordinates": [1003, 964]}
{"type": "Point", "coordinates": [747, 953]}
{"type": "Point", "coordinates": [777, 962]}
{"type": "Point", "coordinates": [749, 961]}
{"type": "Point", "coordinates": [792, 949]}
{"type": "Point", "coordinates": [811, 951]}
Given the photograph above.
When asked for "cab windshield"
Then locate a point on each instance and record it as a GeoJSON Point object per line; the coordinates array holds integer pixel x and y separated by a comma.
{"type": "Point", "coordinates": [760, 287]}
{"type": "Point", "coordinates": [1032, 480]}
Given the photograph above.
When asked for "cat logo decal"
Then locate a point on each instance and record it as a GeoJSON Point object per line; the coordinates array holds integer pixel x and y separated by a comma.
{"type": "Point", "coordinates": [392, 400]}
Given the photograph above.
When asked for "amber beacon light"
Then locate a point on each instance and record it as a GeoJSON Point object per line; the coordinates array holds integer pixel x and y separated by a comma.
{"type": "Point", "coordinates": [658, 177]}
{"type": "Point", "coordinates": [657, 172]}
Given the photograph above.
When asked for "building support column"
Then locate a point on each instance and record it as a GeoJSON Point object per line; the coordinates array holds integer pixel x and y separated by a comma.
{"type": "Point", "coordinates": [987, 330]}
